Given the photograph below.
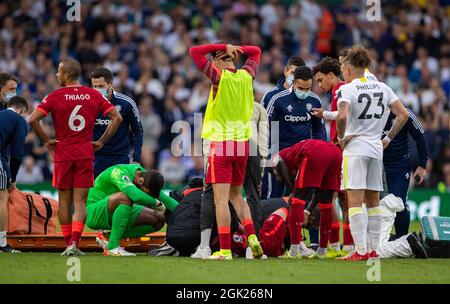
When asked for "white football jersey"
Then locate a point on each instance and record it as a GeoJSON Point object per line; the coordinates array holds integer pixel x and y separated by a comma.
{"type": "Point", "coordinates": [367, 116]}
{"type": "Point", "coordinates": [369, 75]}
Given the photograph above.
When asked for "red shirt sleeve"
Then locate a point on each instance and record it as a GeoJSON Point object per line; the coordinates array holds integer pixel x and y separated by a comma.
{"type": "Point", "coordinates": [254, 57]}
{"type": "Point", "coordinates": [198, 54]}
{"type": "Point", "coordinates": [47, 105]}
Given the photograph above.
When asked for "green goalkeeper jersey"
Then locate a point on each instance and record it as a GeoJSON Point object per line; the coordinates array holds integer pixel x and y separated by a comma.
{"type": "Point", "coordinates": [119, 178]}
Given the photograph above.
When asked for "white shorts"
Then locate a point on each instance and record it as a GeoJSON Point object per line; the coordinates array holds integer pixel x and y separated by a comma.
{"type": "Point", "coordinates": [362, 172]}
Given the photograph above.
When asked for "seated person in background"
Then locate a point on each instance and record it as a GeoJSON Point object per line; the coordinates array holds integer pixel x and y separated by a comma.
{"type": "Point", "coordinates": [126, 199]}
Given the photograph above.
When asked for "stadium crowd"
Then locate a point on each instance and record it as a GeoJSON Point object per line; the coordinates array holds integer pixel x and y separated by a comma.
{"type": "Point", "coordinates": [145, 44]}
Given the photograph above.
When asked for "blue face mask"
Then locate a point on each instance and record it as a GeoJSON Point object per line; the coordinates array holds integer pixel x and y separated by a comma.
{"type": "Point", "coordinates": [301, 94]}
{"type": "Point", "coordinates": [9, 95]}
{"type": "Point", "coordinates": [104, 92]}
{"type": "Point", "coordinates": [290, 80]}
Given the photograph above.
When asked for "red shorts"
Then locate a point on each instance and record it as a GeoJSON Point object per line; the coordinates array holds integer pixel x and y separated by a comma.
{"type": "Point", "coordinates": [322, 172]}
{"type": "Point", "coordinates": [73, 174]}
{"type": "Point", "coordinates": [272, 234]}
{"type": "Point", "coordinates": [227, 162]}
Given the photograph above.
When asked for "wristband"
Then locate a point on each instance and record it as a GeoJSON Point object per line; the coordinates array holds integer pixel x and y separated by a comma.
{"type": "Point", "coordinates": [388, 139]}
{"type": "Point", "coordinates": [307, 212]}
{"type": "Point", "coordinates": [329, 115]}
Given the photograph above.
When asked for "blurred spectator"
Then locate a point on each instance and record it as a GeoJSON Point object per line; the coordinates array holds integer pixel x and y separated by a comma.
{"type": "Point", "coordinates": [173, 170]}
{"type": "Point", "coordinates": [444, 186]}
{"type": "Point", "coordinates": [408, 97]}
{"type": "Point", "coordinates": [197, 170]}
{"type": "Point", "coordinates": [151, 123]}
{"type": "Point", "coordinates": [29, 172]}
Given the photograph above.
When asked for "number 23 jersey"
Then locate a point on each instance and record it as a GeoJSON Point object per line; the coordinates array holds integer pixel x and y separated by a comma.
{"type": "Point", "coordinates": [369, 109]}
{"type": "Point", "coordinates": [74, 110]}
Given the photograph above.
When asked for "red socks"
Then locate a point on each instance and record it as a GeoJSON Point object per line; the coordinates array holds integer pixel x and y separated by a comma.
{"type": "Point", "coordinates": [248, 226]}
{"type": "Point", "coordinates": [77, 230]}
{"type": "Point", "coordinates": [348, 240]}
{"type": "Point", "coordinates": [334, 235]}
{"type": "Point", "coordinates": [224, 237]}
{"type": "Point", "coordinates": [295, 220]}
{"type": "Point", "coordinates": [67, 233]}
{"type": "Point", "coordinates": [326, 218]}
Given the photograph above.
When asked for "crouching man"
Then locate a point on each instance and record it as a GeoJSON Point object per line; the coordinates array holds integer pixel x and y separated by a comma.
{"type": "Point", "coordinates": [127, 200]}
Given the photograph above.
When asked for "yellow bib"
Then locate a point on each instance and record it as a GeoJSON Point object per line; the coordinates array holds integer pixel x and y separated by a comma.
{"type": "Point", "coordinates": [228, 115]}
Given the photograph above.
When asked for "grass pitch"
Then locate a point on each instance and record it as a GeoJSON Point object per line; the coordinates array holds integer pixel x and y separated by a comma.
{"type": "Point", "coordinates": [35, 268]}
{"type": "Point", "coordinates": [52, 268]}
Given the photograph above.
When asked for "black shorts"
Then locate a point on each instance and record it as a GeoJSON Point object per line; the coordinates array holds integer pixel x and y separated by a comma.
{"type": "Point", "coordinates": [186, 244]}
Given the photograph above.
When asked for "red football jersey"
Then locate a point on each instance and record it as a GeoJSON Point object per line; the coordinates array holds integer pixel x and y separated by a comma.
{"type": "Point", "coordinates": [74, 110]}
{"type": "Point", "coordinates": [294, 155]}
{"type": "Point", "coordinates": [334, 107]}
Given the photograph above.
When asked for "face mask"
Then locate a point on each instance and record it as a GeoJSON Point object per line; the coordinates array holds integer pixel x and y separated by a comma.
{"type": "Point", "coordinates": [290, 80]}
{"type": "Point", "coordinates": [104, 92]}
{"type": "Point", "coordinates": [301, 94]}
{"type": "Point", "coordinates": [8, 96]}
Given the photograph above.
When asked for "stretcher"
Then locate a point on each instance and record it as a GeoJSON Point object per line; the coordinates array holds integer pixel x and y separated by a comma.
{"type": "Point", "coordinates": [55, 242]}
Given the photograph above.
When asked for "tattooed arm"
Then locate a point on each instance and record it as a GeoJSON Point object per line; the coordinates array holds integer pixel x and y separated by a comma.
{"type": "Point", "coordinates": [401, 114]}
{"type": "Point", "coordinates": [341, 122]}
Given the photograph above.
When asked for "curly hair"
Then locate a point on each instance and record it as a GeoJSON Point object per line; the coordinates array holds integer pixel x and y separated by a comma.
{"type": "Point", "coordinates": [344, 52]}
{"type": "Point", "coordinates": [328, 65]}
{"type": "Point", "coordinates": [358, 57]}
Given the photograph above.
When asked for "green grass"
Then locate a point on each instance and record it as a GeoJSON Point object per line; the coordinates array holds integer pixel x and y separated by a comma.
{"type": "Point", "coordinates": [51, 268]}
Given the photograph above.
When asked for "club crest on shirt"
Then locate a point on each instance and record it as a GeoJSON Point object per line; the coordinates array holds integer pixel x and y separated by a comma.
{"type": "Point", "coordinates": [289, 108]}
{"type": "Point", "coordinates": [308, 107]}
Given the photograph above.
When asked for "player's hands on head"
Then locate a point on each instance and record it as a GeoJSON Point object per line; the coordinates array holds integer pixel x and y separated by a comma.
{"type": "Point", "coordinates": [317, 112]}
{"type": "Point", "coordinates": [51, 144]}
{"type": "Point", "coordinates": [420, 174]}
{"type": "Point", "coordinates": [233, 51]}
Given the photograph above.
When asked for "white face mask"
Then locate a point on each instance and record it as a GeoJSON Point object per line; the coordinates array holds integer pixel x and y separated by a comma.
{"type": "Point", "coordinates": [104, 92]}
{"type": "Point", "coordinates": [290, 80]}
{"type": "Point", "coordinates": [301, 94]}
{"type": "Point", "coordinates": [9, 95]}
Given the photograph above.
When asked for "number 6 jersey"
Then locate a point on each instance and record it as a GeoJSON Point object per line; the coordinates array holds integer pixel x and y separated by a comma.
{"type": "Point", "coordinates": [74, 110]}
{"type": "Point", "coordinates": [369, 109]}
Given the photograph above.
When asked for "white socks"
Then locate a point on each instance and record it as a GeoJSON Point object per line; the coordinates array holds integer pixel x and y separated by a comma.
{"type": "Point", "coordinates": [336, 246]}
{"type": "Point", "coordinates": [3, 242]}
{"type": "Point", "coordinates": [303, 246]}
{"type": "Point", "coordinates": [294, 250]}
{"type": "Point", "coordinates": [373, 228]}
{"type": "Point", "coordinates": [205, 238]}
{"type": "Point", "coordinates": [358, 229]}
{"type": "Point", "coordinates": [322, 251]}
{"type": "Point", "coordinates": [348, 248]}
